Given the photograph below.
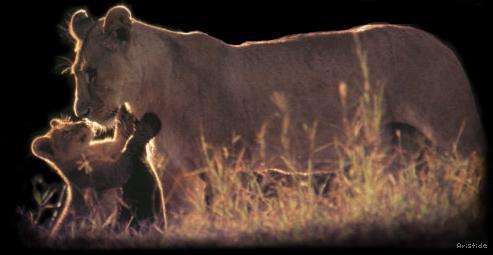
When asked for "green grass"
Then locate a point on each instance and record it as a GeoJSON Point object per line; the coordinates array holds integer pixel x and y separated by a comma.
{"type": "Point", "coordinates": [433, 198]}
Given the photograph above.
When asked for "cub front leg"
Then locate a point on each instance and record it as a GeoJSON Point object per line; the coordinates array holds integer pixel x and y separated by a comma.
{"type": "Point", "coordinates": [111, 149]}
{"type": "Point", "coordinates": [125, 125]}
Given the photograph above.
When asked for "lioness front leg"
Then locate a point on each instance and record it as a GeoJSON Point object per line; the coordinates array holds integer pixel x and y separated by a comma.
{"type": "Point", "coordinates": [142, 188]}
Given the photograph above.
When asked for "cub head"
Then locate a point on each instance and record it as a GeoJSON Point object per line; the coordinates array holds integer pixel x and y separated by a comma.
{"type": "Point", "coordinates": [102, 68]}
{"type": "Point", "coordinates": [65, 142]}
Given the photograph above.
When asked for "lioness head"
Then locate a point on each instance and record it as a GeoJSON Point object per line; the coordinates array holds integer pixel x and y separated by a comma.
{"type": "Point", "coordinates": [65, 142]}
{"type": "Point", "coordinates": [102, 68]}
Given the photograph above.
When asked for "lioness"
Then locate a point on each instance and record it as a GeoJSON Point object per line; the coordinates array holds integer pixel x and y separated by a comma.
{"type": "Point", "coordinates": [199, 85]}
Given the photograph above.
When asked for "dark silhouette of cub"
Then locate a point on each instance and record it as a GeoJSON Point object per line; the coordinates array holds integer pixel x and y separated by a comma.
{"type": "Point", "coordinates": [140, 191]}
{"type": "Point", "coordinates": [96, 171]}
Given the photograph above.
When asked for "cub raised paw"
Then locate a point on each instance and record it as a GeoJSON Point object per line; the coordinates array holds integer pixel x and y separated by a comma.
{"type": "Point", "coordinates": [126, 122]}
{"type": "Point", "coordinates": [148, 126]}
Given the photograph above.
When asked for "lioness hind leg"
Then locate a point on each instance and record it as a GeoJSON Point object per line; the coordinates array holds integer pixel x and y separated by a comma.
{"type": "Point", "coordinates": [404, 143]}
{"type": "Point", "coordinates": [404, 136]}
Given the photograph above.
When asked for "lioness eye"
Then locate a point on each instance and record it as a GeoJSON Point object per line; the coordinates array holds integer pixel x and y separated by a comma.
{"type": "Point", "coordinates": [91, 74]}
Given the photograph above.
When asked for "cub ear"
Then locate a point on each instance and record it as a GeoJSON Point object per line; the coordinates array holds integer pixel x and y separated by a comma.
{"type": "Point", "coordinates": [80, 23]}
{"type": "Point", "coordinates": [55, 123]}
{"type": "Point", "coordinates": [118, 22]}
{"type": "Point", "coordinates": [41, 148]}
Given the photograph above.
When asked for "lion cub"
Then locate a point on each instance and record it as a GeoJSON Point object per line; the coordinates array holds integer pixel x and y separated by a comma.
{"type": "Point", "coordinates": [97, 170]}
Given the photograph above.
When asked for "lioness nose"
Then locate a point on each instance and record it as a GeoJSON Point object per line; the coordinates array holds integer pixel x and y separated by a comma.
{"type": "Point", "coordinates": [83, 112]}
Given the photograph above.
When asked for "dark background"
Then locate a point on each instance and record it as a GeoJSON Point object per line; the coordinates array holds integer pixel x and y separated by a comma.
{"type": "Point", "coordinates": [38, 43]}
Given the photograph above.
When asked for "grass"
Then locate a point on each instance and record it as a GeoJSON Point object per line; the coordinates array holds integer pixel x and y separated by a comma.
{"type": "Point", "coordinates": [431, 199]}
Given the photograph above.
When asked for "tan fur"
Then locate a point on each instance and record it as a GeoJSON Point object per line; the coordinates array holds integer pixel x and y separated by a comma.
{"type": "Point", "coordinates": [65, 147]}
{"type": "Point", "coordinates": [198, 85]}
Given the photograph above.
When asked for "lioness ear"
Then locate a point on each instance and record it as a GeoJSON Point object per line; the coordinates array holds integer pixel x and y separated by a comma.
{"type": "Point", "coordinates": [41, 148]}
{"type": "Point", "coordinates": [117, 23]}
{"type": "Point", "coordinates": [80, 22]}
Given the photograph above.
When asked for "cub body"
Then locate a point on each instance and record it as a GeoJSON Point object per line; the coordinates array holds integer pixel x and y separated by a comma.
{"type": "Point", "coordinates": [98, 172]}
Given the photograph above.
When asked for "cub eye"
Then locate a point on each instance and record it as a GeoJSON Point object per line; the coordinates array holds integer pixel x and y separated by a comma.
{"type": "Point", "coordinates": [91, 74]}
